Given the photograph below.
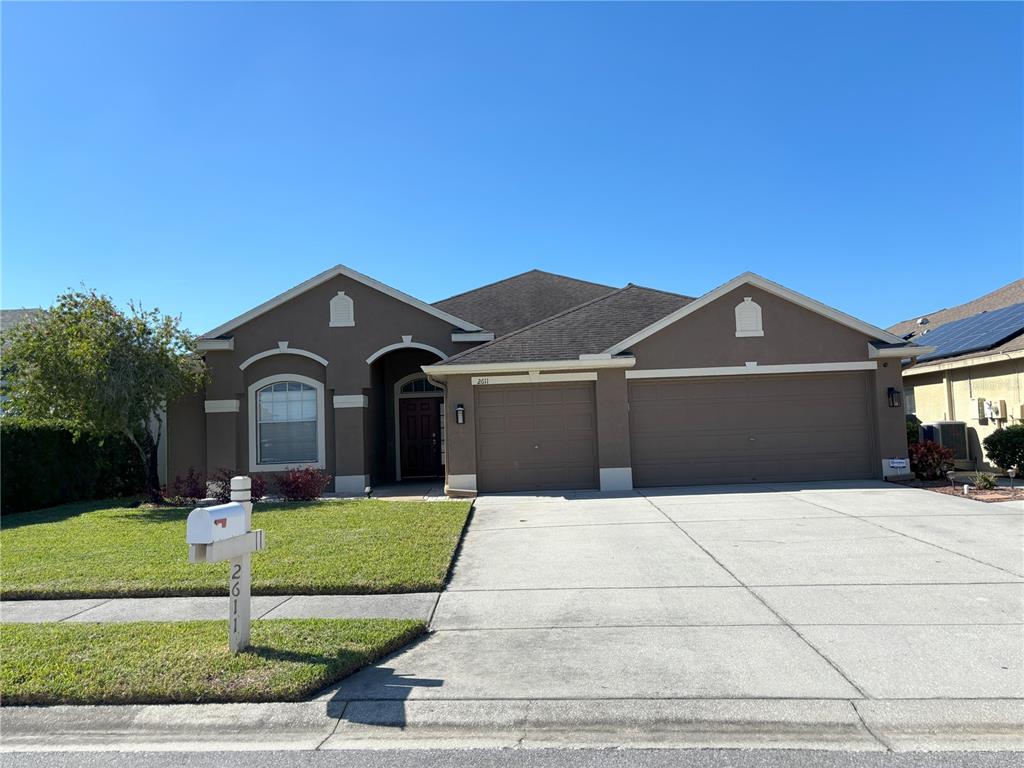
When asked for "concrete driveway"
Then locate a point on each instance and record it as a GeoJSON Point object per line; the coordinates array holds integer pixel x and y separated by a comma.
{"type": "Point", "coordinates": [861, 592]}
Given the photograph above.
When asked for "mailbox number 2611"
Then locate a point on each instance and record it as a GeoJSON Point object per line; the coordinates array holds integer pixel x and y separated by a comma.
{"type": "Point", "coordinates": [236, 587]}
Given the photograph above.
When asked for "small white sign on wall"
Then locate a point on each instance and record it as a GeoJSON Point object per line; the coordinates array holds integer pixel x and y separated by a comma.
{"type": "Point", "coordinates": [897, 463]}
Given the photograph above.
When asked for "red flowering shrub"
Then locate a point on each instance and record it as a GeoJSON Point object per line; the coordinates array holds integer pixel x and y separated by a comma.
{"type": "Point", "coordinates": [303, 484]}
{"type": "Point", "coordinates": [188, 489]}
{"type": "Point", "coordinates": [929, 460]}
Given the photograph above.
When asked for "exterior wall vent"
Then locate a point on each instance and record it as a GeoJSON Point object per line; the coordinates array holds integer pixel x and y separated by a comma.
{"type": "Point", "coordinates": [748, 318]}
{"type": "Point", "coordinates": [343, 312]}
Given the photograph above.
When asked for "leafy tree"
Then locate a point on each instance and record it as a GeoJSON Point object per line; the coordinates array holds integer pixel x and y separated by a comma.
{"type": "Point", "coordinates": [86, 365]}
{"type": "Point", "coordinates": [1005, 447]}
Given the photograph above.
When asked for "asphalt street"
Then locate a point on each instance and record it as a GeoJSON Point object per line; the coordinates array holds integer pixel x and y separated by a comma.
{"type": "Point", "coordinates": [499, 758]}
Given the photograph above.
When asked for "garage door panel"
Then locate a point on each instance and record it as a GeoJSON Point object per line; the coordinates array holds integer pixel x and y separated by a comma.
{"type": "Point", "coordinates": [750, 429]}
{"type": "Point", "coordinates": [536, 437]}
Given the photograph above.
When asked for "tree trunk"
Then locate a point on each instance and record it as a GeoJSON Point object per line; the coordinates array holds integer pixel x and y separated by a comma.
{"type": "Point", "coordinates": [150, 463]}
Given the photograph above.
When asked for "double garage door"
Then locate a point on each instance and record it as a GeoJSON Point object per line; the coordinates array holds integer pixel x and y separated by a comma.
{"type": "Point", "coordinates": [748, 429]}
{"type": "Point", "coordinates": [682, 431]}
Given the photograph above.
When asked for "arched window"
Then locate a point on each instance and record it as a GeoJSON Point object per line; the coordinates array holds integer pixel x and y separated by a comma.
{"type": "Point", "coordinates": [343, 311]}
{"type": "Point", "coordinates": [286, 424]}
{"type": "Point", "coordinates": [748, 318]}
{"type": "Point", "coordinates": [419, 385]}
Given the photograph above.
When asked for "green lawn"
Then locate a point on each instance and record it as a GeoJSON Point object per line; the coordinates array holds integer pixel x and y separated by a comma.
{"type": "Point", "coordinates": [99, 549]}
{"type": "Point", "coordinates": [187, 661]}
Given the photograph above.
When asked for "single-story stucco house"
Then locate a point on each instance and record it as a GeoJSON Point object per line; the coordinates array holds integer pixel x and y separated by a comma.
{"type": "Point", "coordinates": [544, 382]}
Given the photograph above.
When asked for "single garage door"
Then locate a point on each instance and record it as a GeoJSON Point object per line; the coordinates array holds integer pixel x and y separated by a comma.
{"type": "Point", "coordinates": [536, 437]}
{"type": "Point", "coordinates": [751, 429]}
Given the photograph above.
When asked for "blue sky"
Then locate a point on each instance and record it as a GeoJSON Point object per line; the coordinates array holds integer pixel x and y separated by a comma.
{"type": "Point", "coordinates": [202, 157]}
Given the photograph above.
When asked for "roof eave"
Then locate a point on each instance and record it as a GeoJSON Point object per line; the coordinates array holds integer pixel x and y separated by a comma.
{"type": "Point", "coordinates": [443, 369]}
{"type": "Point", "coordinates": [323, 277]}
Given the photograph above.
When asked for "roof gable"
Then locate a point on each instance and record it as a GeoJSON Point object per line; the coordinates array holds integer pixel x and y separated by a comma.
{"type": "Point", "coordinates": [749, 278]}
{"type": "Point", "coordinates": [585, 329]}
{"type": "Point", "coordinates": [518, 301]}
{"type": "Point", "coordinates": [323, 277]}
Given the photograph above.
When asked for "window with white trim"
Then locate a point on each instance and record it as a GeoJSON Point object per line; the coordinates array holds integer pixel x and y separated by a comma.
{"type": "Point", "coordinates": [419, 385]}
{"type": "Point", "coordinates": [748, 318]}
{"type": "Point", "coordinates": [286, 423]}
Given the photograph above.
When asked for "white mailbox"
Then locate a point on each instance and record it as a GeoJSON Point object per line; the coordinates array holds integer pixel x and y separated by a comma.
{"type": "Point", "coordinates": [206, 525]}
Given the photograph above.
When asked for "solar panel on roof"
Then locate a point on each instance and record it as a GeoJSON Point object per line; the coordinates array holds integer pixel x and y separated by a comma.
{"type": "Point", "coordinates": [973, 334]}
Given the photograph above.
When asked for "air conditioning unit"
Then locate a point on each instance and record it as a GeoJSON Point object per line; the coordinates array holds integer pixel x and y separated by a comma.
{"type": "Point", "coordinates": [949, 434]}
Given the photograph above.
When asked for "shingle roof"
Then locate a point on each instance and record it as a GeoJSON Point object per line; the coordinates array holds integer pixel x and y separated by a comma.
{"type": "Point", "coordinates": [1008, 295]}
{"type": "Point", "coordinates": [517, 301]}
{"type": "Point", "coordinates": [1011, 293]}
{"type": "Point", "coordinates": [589, 328]}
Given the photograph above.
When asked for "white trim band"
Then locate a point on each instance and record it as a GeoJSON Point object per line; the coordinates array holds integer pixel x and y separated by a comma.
{"type": "Point", "coordinates": [932, 366]}
{"type": "Point", "coordinates": [744, 370]}
{"type": "Point", "coordinates": [911, 350]}
{"type": "Point", "coordinates": [283, 349]}
{"type": "Point", "coordinates": [216, 345]}
{"type": "Point", "coordinates": [351, 401]}
{"type": "Point", "coordinates": [222, 406]}
{"type": "Point", "coordinates": [534, 377]}
{"type": "Point", "coordinates": [528, 365]}
{"type": "Point", "coordinates": [472, 336]}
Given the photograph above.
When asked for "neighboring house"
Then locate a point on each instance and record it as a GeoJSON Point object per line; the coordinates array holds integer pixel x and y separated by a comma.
{"type": "Point", "coordinates": [543, 382]}
{"type": "Point", "coordinates": [976, 373]}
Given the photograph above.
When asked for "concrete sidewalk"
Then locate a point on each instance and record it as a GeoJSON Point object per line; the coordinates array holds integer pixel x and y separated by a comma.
{"type": "Point", "coordinates": [419, 605]}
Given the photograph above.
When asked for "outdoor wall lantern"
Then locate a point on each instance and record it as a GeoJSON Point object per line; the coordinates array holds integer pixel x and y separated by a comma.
{"type": "Point", "coordinates": [895, 399]}
{"type": "Point", "coordinates": [460, 414]}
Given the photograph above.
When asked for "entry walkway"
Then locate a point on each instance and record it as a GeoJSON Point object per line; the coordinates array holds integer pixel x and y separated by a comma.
{"type": "Point", "coordinates": [419, 605]}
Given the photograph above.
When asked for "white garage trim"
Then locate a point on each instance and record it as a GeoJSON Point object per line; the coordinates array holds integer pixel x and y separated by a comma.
{"type": "Point", "coordinates": [748, 370]}
{"type": "Point", "coordinates": [534, 377]}
{"type": "Point", "coordinates": [616, 478]}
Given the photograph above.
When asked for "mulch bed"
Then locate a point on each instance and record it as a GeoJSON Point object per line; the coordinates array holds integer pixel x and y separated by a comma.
{"type": "Point", "coordinates": [942, 486]}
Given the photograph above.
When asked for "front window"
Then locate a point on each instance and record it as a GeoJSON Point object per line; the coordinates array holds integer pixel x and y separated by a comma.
{"type": "Point", "coordinates": [287, 423]}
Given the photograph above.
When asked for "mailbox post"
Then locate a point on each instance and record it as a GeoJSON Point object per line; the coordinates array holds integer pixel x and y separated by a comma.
{"type": "Point", "coordinates": [219, 533]}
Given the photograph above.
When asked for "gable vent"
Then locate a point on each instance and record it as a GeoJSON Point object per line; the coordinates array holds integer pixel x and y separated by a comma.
{"type": "Point", "coordinates": [342, 311]}
{"type": "Point", "coordinates": [748, 318]}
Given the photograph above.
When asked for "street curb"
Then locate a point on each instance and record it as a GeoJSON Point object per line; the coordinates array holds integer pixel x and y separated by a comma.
{"type": "Point", "coordinates": [833, 724]}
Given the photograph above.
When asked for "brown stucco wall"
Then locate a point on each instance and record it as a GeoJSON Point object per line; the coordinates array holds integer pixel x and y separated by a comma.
{"type": "Point", "coordinates": [460, 439]}
{"type": "Point", "coordinates": [612, 419]}
{"type": "Point", "coordinates": [792, 334]}
{"type": "Point", "coordinates": [186, 437]}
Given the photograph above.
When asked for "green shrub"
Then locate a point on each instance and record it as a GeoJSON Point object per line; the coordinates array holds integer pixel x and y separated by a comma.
{"type": "Point", "coordinates": [1005, 447]}
{"type": "Point", "coordinates": [42, 466]}
{"type": "Point", "coordinates": [913, 429]}
{"type": "Point", "coordinates": [983, 481]}
{"type": "Point", "coordinates": [929, 461]}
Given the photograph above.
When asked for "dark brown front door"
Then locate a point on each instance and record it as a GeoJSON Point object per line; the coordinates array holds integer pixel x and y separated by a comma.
{"type": "Point", "coordinates": [419, 434]}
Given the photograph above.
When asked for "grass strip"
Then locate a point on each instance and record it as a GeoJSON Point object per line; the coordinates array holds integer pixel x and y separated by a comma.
{"type": "Point", "coordinates": [188, 661]}
{"type": "Point", "coordinates": [98, 549]}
